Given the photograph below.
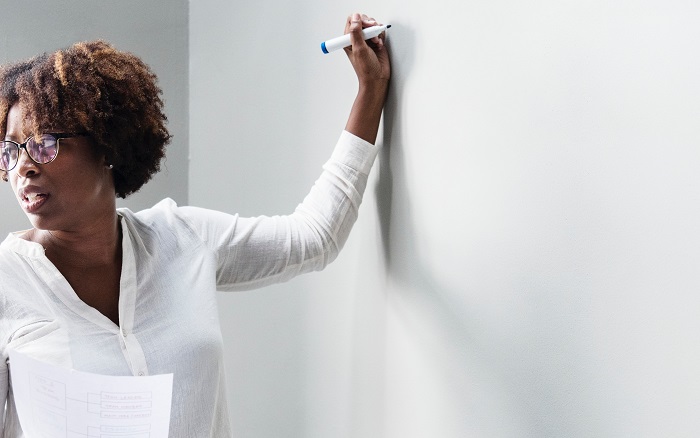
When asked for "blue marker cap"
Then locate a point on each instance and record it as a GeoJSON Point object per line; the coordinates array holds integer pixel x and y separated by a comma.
{"type": "Point", "coordinates": [323, 47]}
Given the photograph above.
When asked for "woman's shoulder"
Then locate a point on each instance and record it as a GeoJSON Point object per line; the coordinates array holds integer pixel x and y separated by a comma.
{"type": "Point", "coordinates": [16, 246]}
{"type": "Point", "coordinates": [18, 260]}
{"type": "Point", "coordinates": [165, 213]}
{"type": "Point", "coordinates": [166, 220]}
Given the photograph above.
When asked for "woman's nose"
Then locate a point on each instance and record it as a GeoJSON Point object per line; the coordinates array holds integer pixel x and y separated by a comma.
{"type": "Point", "coordinates": [26, 167]}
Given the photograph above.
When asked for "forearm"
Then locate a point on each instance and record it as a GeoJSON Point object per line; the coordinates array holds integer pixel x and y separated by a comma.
{"type": "Point", "coordinates": [366, 111]}
{"type": "Point", "coordinates": [259, 251]}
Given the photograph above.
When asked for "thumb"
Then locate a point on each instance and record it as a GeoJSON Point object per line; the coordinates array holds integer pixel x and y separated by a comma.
{"type": "Point", "coordinates": [356, 38]}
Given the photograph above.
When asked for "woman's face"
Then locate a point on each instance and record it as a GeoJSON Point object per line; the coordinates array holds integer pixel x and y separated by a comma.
{"type": "Point", "coordinates": [67, 194]}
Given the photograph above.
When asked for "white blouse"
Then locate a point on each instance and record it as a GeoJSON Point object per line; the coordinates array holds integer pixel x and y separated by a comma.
{"type": "Point", "coordinates": [174, 259]}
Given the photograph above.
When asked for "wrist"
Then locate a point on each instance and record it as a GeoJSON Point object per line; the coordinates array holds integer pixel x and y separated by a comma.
{"type": "Point", "coordinates": [376, 87]}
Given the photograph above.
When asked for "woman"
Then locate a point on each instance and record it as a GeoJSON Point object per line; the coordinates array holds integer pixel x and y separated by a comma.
{"type": "Point", "coordinates": [120, 293]}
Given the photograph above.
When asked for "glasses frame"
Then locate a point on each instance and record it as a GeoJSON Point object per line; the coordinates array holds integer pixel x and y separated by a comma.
{"type": "Point", "coordinates": [57, 135]}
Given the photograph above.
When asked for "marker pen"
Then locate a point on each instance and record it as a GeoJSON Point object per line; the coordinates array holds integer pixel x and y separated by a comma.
{"type": "Point", "coordinates": [344, 41]}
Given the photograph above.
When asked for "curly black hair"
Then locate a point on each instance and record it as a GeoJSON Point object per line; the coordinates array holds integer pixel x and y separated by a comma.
{"type": "Point", "coordinates": [93, 88]}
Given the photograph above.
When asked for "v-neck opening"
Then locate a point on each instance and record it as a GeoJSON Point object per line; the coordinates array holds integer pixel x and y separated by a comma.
{"type": "Point", "coordinates": [60, 286]}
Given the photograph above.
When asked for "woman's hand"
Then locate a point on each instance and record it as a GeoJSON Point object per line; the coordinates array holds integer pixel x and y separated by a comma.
{"type": "Point", "coordinates": [370, 59]}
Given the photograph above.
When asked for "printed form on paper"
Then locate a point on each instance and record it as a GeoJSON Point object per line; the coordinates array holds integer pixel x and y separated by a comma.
{"type": "Point", "coordinates": [55, 402]}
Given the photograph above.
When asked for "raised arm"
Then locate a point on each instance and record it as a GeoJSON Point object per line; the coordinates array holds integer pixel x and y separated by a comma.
{"type": "Point", "coordinates": [370, 60]}
{"type": "Point", "coordinates": [255, 252]}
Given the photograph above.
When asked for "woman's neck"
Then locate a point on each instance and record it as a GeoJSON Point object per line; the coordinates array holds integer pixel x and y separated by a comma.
{"type": "Point", "coordinates": [96, 245]}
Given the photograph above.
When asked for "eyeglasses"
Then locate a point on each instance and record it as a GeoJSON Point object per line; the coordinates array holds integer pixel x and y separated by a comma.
{"type": "Point", "coordinates": [42, 149]}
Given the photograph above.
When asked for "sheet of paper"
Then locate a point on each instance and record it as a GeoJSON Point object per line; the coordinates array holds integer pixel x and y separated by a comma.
{"type": "Point", "coordinates": [54, 402]}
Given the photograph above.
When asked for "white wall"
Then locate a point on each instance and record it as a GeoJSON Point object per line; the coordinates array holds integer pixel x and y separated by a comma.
{"type": "Point", "coordinates": [154, 30]}
{"type": "Point", "coordinates": [526, 261]}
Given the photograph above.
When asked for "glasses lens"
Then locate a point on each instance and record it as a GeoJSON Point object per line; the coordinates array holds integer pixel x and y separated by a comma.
{"type": "Point", "coordinates": [43, 148]}
{"type": "Point", "coordinates": [8, 155]}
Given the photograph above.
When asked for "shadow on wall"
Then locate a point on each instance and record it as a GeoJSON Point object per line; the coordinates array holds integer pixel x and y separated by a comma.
{"type": "Point", "coordinates": [485, 367]}
{"type": "Point", "coordinates": [471, 363]}
{"type": "Point", "coordinates": [402, 257]}
{"type": "Point", "coordinates": [417, 298]}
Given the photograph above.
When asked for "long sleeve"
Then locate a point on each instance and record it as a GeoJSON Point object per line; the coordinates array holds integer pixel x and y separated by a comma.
{"type": "Point", "coordinates": [255, 252]}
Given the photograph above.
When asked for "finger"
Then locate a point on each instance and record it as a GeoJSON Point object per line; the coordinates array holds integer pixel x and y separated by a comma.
{"type": "Point", "coordinates": [378, 39]}
{"type": "Point", "coordinates": [368, 21]}
{"type": "Point", "coordinates": [353, 21]}
{"type": "Point", "coordinates": [355, 32]}
{"type": "Point", "coordinates": [348, 22]}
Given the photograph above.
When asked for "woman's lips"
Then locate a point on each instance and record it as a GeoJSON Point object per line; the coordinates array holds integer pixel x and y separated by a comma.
{"type": "Point", "coordinates": [32, 202]}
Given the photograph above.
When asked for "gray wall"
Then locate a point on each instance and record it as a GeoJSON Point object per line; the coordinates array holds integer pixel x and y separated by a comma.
{"type": "Point", "coordinates": [157, 31]}
{"type": "Point", "coordinates": [526, 260]}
